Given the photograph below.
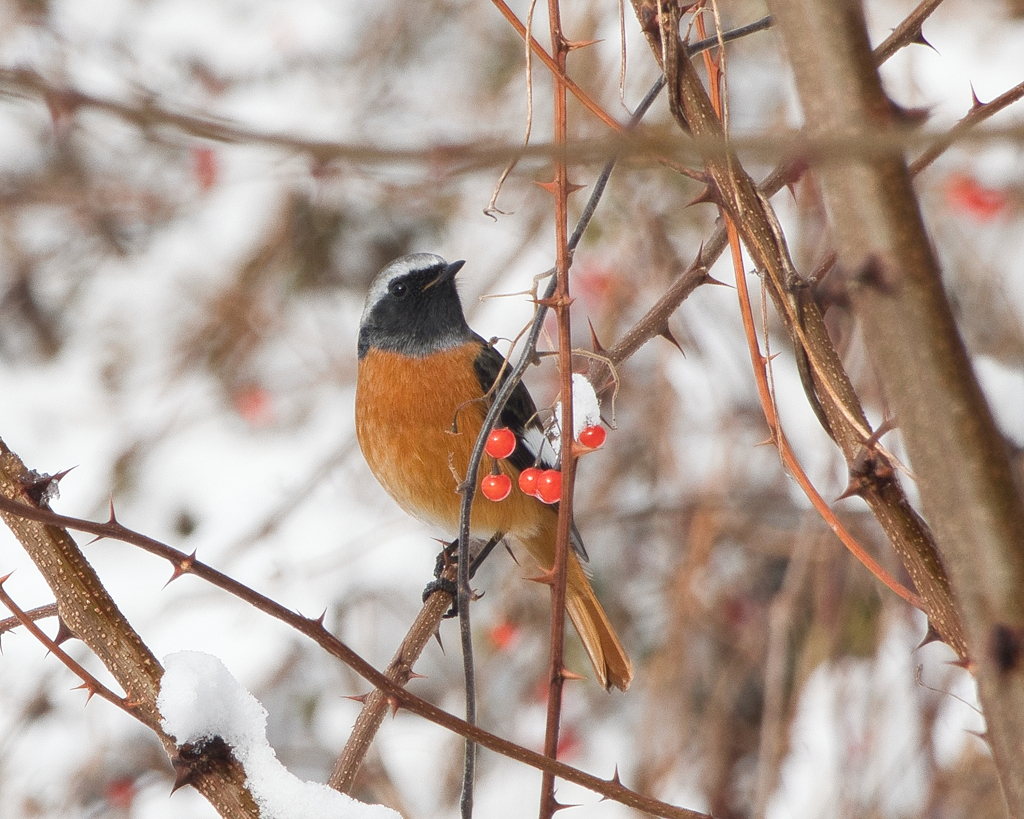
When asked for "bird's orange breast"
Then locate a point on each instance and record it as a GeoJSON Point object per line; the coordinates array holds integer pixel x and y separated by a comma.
{"type": "Point", "coordinates": [417, 420]}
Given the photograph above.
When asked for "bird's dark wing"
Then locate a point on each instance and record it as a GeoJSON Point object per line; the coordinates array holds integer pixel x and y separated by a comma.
{"type": "Point", "coordinates": [520, 415]}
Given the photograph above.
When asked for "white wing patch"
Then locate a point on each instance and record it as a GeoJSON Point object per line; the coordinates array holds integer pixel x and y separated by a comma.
{"type": "Point", "coordinates": [539, 447]}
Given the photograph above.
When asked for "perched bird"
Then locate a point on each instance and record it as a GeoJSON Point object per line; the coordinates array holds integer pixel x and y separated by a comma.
{"type": "Point", "coordinates": [423, 389]}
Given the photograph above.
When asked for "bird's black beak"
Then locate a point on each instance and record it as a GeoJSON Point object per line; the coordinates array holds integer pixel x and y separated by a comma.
{"type": "Point", "coordinates": [447, 274]}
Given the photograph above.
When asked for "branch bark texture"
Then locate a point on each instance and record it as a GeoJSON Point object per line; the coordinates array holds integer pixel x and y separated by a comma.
{"type": "Point", "coordinates": [967, 488]}
{"type": "Point", "coordinates": [733, 190]}
{"type": "Point", "coordinates": [91, 614]}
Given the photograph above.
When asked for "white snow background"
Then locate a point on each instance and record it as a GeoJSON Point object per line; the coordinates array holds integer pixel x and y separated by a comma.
{"type": "Point", "coordinates": [344, 546]}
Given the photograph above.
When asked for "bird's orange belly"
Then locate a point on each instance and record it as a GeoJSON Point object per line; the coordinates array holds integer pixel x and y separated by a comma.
{"type": "Point", "coordinates": [417, 420]}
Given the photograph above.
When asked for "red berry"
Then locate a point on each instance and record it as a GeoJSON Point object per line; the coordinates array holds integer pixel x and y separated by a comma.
{"type": "Point", "coordinates": [592, 437]}
{"type": "Point", "coordinates": [500, 443]}
{"type": "Point", "coordinates": [549, 486]}
{"type": "Point", "coordinates": [528, 481]}
{"type": "Point", "coordinates": [496, 487]}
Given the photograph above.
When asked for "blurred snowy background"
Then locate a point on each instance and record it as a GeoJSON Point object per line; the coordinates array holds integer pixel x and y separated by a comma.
{"type": "Point", "coordinates": [178, 320]}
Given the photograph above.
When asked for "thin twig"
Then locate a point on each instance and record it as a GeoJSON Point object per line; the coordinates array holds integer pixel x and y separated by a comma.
{"type": "Point", "coordinates": [979, 112]}
{"type": "Point", "coordinates": [759, 364]}
{"type": "Point", "coordinates": [909, 31]}
{"type": "Point", "coordinates": [492, 207]}
{"type": "Point", "coordinates": [39, 613]}
{"type": "Point", "coordinates": [91, 685]}
{"type": "Point", "coordinates": [561, 302]}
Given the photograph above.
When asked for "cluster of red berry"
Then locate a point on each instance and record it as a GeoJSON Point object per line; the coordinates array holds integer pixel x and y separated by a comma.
{"type": "Point", "coordinates": [544, 484]}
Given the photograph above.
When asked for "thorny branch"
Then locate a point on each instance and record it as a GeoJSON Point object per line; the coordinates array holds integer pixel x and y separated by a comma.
{"type": "Point", "coordinates": [38, 613]}
{"type": "Point", "coordinates": [91, 685]}
{"type": "Point", "coordinates": [377, 702]}
{"type": "Point", "coordinates": [313, 628]}
{"type": "Point", "coordinates": [892, 276]}
{"type": "Point", "coordinates": [872, 476]}
{"type": "Point", "coordinates": [456, 158]}
{"type": "Point", "coordinates": [560, 188]}
{"type": "Point", "coordinates": [655, 321]}
{"type": "Point", "coordinates": [89, 613]}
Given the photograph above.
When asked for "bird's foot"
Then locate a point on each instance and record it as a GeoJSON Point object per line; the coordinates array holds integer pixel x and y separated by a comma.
{"type": "Point", "coordinates": [443, 584]}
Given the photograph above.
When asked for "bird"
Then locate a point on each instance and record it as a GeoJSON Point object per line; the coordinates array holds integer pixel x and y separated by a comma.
{"type": "Point", "coordinates": [423, 387]}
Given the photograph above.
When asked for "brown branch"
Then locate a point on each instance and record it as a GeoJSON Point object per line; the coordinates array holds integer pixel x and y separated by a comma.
{"type": "Point", "coordinates": [91, 685]}
{"type": "Point", "coordinates": [39, 613]}
{"type": "Point", "coordinates": [91, 614]}
{"type": "Point", "coordinates": [874, 477]}
{"type": "Point", "coordinates": [557, 69]}
{"type": "Point", "coordinates": [467, 157]}
{"type": "Point", "coordinates": [894, 284]}
{"type": "Point", "coordinates": [377, 702]}
{"type": "Point", "coordinates": [759, 364]}
{"type": "Point", "coordinates": [655, 320]}
{"type": "Point", "coordinates": [761, 367]}
{"type": "Point", "coordinates": [313, 628]}
{"type": "Point", "coordinates": [907, 32]}
{"type": "Point", "coordinates": [560, 189]}
{"type": "Point", "coordinates": [980, 112]}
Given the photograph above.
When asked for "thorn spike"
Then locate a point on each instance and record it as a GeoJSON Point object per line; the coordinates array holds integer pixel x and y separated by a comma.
{"type": "Point", "coordinates": [708, 196]}
{"type": "Point", "coordinates": [666, 333]}
{"type": "Point", "coordinates": [594, 342]}
{"type": "Point", "coordinates": [184, 773]}
{"type": "Point", "coordinates": [920, 39]}
{"type": "Point", "coordinates": [930, 636]}
{"type": "Point", "coordinates": [182, 567]}
{"type": "Point", "coordinates": [572, 45]}
{"type": "Point", "coordinates": [854, 489]}
{"type": "Point", "coordinates": [63, 632]}
{"type": "Point", "coordinates": [89, 688]}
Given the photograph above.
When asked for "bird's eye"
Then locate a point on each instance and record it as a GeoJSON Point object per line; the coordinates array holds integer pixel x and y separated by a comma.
{"type": "Point", "coordinates": [398, 289]}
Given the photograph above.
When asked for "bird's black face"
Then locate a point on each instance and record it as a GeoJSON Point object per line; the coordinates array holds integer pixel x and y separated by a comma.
{"type": "Point", "coordinates": [413, 308]}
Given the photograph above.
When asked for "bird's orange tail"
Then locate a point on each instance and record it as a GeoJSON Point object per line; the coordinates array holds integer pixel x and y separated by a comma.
{"type": "Point", "coordinates": [611, 663]}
